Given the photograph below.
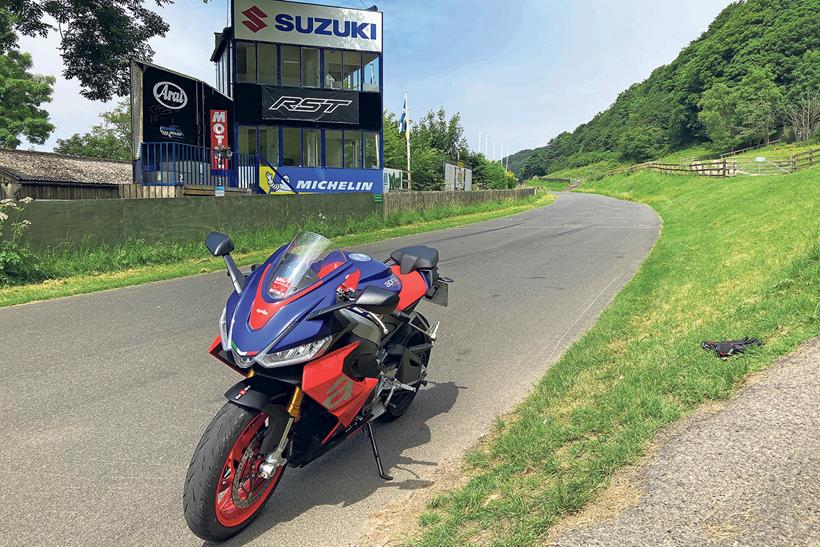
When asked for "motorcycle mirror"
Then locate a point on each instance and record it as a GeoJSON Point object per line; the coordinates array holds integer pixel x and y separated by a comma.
{"type": "Point", "coordinates": [377, 300]}
{"type": "Point", "coordinates": [219, 244]}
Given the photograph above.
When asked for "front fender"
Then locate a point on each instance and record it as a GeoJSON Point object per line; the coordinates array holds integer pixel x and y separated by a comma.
{"type": "Point", "coordinates": [258, 393]}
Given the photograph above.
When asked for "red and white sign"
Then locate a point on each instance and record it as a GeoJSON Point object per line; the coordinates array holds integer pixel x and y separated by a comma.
{"type": "Point", "coordinates": [219, 137]}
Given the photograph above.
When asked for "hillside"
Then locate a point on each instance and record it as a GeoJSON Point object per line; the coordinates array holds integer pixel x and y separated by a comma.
{"type": "Point", "coordinates": [731, 87]}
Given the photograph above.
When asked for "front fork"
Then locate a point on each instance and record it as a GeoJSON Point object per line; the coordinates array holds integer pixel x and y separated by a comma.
{"type": "Point", "coordinates": [276, 458]}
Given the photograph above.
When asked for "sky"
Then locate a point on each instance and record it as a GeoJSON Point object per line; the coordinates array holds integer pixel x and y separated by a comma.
{"type": "Point", "coordinates": [518, 71]}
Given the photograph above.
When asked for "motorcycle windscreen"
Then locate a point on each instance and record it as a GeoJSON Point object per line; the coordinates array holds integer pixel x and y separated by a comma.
{"type": "Point", "coordinates": [302, 265]}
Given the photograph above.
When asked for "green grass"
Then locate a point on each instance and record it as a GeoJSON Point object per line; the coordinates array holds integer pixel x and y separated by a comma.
{"type": "Point", "coordinates": [687, 155]}
{"type": "Point", "coordinates": [554, 185]}
{"type": "Point", "coordinates": [586, 171]}
{"type": "Point", "coordinates": [778, 150]}
{"type": "Point", "coordinates": [736, 257]}
{"type": "Point", "coordinates": [98, 268]}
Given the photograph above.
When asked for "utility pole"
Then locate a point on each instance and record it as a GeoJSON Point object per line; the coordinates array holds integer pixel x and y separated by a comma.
{"type": "Point", "coordinates": [479, 141]}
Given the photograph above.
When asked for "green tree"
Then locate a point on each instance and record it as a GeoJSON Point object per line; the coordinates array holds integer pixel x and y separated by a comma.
{"type": "Point", "coordinates": [21, 95]}
{"type": "Point", "coordinates": [110, 139]}
{"type": "Point", "coordinates": [717, 114]}
{"type": "Point", "coordinates": [436, 131]}
{"type": "Point", "coordinates": [97, 39]}
{"type": "Point", "coordinates": [395, 148]}
{"type": "Point", "coordinates": [747, 113]}
{"type": "Point", "coordinates": [759, 106]}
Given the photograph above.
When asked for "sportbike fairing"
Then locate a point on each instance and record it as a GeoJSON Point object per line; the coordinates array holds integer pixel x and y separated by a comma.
{"type": "Point", "coordinates": [270, 314]}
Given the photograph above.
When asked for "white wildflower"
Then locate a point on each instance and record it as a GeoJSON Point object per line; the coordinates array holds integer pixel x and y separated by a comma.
{"type": "Point", "coordinates": [3, 216]}
{"type": "Point", "coordinates": [26, 200]}
{"type": "Point", "coordinates": [26, 223]}
{"type": "Point", "coordinates": [5, 201]}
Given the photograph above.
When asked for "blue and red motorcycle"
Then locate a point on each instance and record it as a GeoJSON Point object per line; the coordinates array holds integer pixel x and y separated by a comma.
{"type": "Point", "coordinates": [327, 341]}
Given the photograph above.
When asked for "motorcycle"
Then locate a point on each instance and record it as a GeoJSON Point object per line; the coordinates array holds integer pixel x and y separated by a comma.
{"type": "Point", "coordinates": [327, 341]}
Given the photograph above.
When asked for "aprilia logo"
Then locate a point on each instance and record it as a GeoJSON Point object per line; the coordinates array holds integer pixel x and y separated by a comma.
{"type": "Point", "coordinates": [255, 18]}
{"type": "Point", "coordinates": [308, 104]}
{"type": "Point", "coordinates": [339, 392]}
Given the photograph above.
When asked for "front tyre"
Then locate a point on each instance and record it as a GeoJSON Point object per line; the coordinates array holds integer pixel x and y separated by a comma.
{"type": "Point", "coordinates": [223, 491]}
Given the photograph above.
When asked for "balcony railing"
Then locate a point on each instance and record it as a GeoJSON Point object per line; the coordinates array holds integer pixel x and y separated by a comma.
{"type": "Point", "coordinates": [178, 164]}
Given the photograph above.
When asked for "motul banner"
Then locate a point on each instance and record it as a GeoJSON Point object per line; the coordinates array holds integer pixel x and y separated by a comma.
{"type": "Point", "coordinates": [310, 105]}
{"type": "Point", "coordinates": [219, 137]}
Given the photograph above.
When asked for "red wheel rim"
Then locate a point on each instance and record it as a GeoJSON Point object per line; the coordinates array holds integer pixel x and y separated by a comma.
{"type": "Point", "coordinates": [249, 484]}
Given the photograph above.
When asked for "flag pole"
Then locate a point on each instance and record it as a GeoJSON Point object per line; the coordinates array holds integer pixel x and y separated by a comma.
{"type": "Point", "coordinates": [407, 140]}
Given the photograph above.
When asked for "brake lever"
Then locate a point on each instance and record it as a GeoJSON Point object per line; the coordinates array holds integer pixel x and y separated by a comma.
{"type": "Point", "coordinates": [373, 317]}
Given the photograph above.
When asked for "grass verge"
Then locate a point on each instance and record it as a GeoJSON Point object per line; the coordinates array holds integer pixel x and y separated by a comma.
{"type": "Point", "coordinates": [736, 257]}
{"type": "Point", "coordinates": [99, 268]}
{"type": "Point", "coordinates": [552, 185]}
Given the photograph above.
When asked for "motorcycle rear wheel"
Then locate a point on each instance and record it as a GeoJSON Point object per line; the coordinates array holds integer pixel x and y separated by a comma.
{"type": "Point", "coordinates": [402, 400]}
{"type": "Point", "coordinates": [223, 492]}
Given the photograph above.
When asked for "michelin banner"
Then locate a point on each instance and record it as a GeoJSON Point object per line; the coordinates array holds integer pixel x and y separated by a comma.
{"type": "Point", "coordinates": [316, 180]}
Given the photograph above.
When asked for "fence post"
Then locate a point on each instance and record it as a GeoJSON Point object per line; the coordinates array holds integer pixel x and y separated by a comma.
{"type": "Point", "coordinates": [724, 167]}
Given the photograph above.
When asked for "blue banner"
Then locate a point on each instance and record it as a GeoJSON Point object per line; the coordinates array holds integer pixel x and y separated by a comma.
{"type": "Point", "coordinates": [316, 180]}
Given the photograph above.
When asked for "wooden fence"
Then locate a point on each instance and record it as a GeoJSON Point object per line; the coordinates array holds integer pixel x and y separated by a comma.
{"type": "Point", "coordinates": [727, 167]}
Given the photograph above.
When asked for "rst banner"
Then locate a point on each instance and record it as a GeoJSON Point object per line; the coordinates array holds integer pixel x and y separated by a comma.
{"type": "Point", "coordinates": [310, 105]}
{"type": "Point", "coordinates": [316, 180]}
{"type": "Point", "coordinates": [308, 25]}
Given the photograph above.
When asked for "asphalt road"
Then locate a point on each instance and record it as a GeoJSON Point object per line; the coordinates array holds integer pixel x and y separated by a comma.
{"type": "Point", "coordinates": [104, 396]}
{"type": "Point", "coordinates": [748, 474]}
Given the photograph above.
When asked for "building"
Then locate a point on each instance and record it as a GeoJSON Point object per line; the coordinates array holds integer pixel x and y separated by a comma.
{"type": "Point", "coordinates": [297, 105]}
{"type": "Point", "coordinates": [44, 175]}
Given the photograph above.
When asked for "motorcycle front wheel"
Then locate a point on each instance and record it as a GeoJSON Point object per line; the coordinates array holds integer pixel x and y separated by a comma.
{"type": "Point", "coordinates": [223, 490]}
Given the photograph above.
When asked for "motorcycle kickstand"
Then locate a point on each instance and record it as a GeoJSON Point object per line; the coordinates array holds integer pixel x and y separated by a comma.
{"type": "Point", "coordinates": [368, 429]}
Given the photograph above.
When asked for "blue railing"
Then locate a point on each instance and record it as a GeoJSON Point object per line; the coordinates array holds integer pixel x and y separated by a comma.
{"type": "Point", "coordinates": [177, 164]}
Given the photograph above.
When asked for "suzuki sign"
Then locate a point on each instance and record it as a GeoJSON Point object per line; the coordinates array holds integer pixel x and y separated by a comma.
{"type": "Point", "coordinates": [307, 25]}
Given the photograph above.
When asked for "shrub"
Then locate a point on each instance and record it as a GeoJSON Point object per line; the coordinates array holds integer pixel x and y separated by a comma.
{"type": "Point", "coordinates": [17, 262]}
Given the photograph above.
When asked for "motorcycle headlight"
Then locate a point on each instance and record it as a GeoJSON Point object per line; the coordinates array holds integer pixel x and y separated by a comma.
{"type": "Point", "coordinates": [292, 356]}
{"type": "Point", "coordinates": [223, 330]}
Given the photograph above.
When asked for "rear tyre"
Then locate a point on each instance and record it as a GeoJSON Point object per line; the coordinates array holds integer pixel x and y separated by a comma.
{"type": "Point", "coordinates": [223, 491]}
{"type": "Point", "coordinates": [402, 400]}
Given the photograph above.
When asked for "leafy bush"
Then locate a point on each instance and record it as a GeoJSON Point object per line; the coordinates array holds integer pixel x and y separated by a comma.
{"type": "Point", "coordinates": [17, 262]}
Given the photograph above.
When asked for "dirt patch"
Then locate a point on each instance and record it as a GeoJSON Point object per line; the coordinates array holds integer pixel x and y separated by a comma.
{"type": "Point", "coordinates": [398, 520]}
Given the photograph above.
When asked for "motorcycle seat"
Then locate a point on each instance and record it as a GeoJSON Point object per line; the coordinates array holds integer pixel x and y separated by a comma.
{"type": "Point", "coordinates": [415, 258]}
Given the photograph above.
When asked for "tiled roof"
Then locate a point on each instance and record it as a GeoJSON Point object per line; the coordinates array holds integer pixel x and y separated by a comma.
{"type": "Point", "coordinates": [25, 165]}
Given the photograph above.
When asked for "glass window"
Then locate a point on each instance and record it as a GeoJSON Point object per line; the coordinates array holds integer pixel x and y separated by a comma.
{"type": "Point", "coordinates": [247, 140]}
{"type": "Point", "coordinates": [290, 66]}
{"type": "Point", "coordinates": [370, 78]}
{"type": "Point", "coordinates": [313, 147]}
{"type": "Point", "coordinates": [266, 59]}
{"type": "Point", "coordinates": [310, 67]}
{"type": "Point", "coordinates": [371, 150]}
{"type": "Point", "coordinates": [269, 144]}
{"type": "Point", "coordinates": [333, 148]}
{"type": "Point", "coordinates": [245, 62]}
{"type": "Point", "coordinates": [353, 149]}
{"type": "Point", "coordinates": [333, 69]}
{"type": "Point", "coordinates": [291, 146]}
{"type": "Point", "coordinates": [352, 69]}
